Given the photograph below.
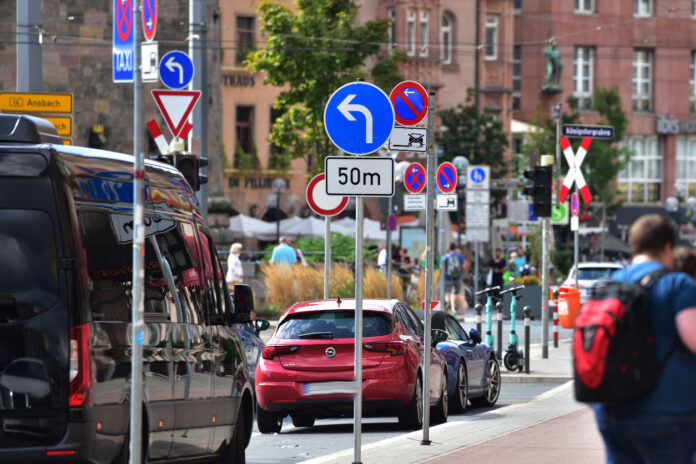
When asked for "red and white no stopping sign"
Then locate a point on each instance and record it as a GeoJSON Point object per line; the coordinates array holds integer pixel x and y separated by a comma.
{"type": "Point", "coordinates": [320, 202]}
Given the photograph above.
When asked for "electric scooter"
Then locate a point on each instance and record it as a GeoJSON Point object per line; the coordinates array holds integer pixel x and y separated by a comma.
{"type": "Point", "coordinates": [514, 357]}
{"type": "Point", "coordinates": [489, 312]}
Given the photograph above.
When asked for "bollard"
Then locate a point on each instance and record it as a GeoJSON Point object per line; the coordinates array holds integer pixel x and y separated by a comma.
{"type": "Point", "coordinates": [479, 309]}
{"type": "Point", "coordinates": [555, 320]}
{"type": "Point", "coordinates": [527, 327]}
{"type": "Point", "coordinates": [499, 308]}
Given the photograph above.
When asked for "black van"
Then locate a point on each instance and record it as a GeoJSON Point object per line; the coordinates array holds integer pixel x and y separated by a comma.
{"type": "Point", "coordinates": [65, 311]}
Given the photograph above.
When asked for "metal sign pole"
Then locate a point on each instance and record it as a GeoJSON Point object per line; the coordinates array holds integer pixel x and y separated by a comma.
{"type": "Point", "coordinates": [476, 268]}
{"type": "Point", "coordinates": [544, 289]}
{"type": "Point", "coordinates": [557, 113]}
{"type": "Point", "coordinates": [327, 256]}
{"type": "Point", "coordinates": [357, 401]}
{"type": "Point", "coordinates": [429, 247]}
{"type": "Point", "coordinates": [389, 251]}
{"type": "Point", "coordinates": [137, 328]}
{"type": "Point", "coordinates": [576, 243]}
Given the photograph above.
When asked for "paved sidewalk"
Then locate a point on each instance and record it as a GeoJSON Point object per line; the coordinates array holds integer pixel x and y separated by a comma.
{"type": "Point", "coordinates": [571, 438]}
{"type": "Point", "coordinates": [557, 368]}
{"type": "Point", "coordinates": [552, 427]}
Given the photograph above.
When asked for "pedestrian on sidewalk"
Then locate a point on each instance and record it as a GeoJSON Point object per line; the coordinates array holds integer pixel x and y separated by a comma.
{"type": "Point", "coordinates": [453, 265]}
{"type": "Point", "coordinates": [235, 272]}
{"type": "Point", "coordinates": [659, 427]}
{"type": "Point", "coordinates": [284, 253]}
{"type": "Point", "coordinates": [685, 260]}
{"type": "Point", "coordinates": [497, 268]}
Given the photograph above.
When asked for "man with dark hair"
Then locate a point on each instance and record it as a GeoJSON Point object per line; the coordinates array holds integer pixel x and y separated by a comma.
{"type": "Point", "coordinates": [497, 268]}
{"type": "Point", "coordinates": [660, 426]}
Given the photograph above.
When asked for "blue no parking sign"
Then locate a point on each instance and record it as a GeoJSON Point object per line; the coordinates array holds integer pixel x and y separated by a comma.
{"type": "Point", "coordinates": [359, 118]}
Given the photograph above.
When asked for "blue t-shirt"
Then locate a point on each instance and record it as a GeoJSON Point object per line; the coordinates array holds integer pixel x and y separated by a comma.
{"type": "Point", "coordinates": [283, 253]}
{"type": "Point", "coordinates": [674, 292]}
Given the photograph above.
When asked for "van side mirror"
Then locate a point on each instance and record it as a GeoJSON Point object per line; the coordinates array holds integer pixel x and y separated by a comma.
{"type": "Point", "coordinates": [243, 302]}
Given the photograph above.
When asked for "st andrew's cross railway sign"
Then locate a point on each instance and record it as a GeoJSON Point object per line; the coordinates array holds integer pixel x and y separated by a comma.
{"type": "Point", "coordinates": [359, 118]}
{"type": "Point", "coordinates": [574, 173]}
{"type": "Point", "coordinates": [410, 102]}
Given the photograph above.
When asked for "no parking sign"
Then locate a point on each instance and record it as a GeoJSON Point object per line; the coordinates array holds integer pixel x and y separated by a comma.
{"type": "Point", "coordinates": [410, 102]}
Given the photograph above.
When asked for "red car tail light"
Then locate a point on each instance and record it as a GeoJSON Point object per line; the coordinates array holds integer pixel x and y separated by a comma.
{"type": "Point", "coordinates": [276, 350]}
{"type": "Point", "coordinates": [393, 348]}
{"type": "Point", "coordinates": [80, 366]}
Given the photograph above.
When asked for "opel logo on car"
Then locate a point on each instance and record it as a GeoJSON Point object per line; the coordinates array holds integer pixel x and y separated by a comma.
{"type": "Point", "coordinates": [331, 352]}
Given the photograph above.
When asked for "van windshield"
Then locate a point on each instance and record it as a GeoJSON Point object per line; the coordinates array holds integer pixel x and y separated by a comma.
{"type": "Point", "coordinates": [28, 264]}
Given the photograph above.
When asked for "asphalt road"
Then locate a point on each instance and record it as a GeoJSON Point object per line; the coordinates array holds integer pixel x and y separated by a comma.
{"type": "Point", "coordinates": [295, 444]}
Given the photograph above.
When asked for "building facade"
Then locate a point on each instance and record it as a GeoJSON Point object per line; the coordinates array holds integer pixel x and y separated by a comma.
{"type": "Point", "coordinates": [438, 36]}
{"type": "Point", "coordinates": [644, 48]}
{"type": "Point", "coordinates": [76, 56]}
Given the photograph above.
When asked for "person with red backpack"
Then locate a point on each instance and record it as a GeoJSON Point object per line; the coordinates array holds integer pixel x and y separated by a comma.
{"type": "Point", "coordinates": [657, 422]}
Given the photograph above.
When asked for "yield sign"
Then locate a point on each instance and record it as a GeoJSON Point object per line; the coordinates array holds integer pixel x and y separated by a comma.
{"type": "Point", "coordinates": [414, 180]}
{"type": "Point", "coordinates": [176, 106]}
{"type": "Point", "coordinates": [574, 173]}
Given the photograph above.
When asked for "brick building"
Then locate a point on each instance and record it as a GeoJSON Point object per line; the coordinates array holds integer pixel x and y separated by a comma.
{"type": "Point", "coordinates": [437, 35]}
{"type": "Point", "coordinates": [645, 48]}
{"type": "Point", "coordinates": [77, 58]}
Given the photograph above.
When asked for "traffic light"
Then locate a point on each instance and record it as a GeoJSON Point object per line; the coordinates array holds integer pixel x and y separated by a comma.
{"type": "Point", "coordinates": [189, 166]}
{"type": "Point", "coordinates": [539, 189]}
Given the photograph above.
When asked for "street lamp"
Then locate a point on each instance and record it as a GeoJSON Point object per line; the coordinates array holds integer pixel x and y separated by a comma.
{"type": "Point", "coordinates": [279, 187]}
{"type": "Point", "coordinates": [460, 164]}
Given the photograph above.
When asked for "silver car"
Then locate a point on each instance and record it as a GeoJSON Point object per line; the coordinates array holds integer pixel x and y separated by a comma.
{"type": "Point", "coordinates": [589, 274]}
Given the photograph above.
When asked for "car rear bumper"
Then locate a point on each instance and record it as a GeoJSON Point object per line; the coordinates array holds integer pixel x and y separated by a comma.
{"type": "Point", "coordinates": [389, 385]}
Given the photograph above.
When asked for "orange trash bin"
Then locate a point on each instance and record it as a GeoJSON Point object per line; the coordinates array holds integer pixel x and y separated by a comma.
{"type": "Point", "coordinates": [568, 306]}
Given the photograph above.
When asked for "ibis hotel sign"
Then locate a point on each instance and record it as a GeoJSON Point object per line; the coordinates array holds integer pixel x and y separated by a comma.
{"type": "Point", "coordinates": [667, 125]}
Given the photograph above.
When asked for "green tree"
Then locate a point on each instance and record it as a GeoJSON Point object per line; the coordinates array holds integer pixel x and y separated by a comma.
{"type": "Point", "coordinates": [478, 137]}
{"type": "Point", "coordinates": [311, 51]}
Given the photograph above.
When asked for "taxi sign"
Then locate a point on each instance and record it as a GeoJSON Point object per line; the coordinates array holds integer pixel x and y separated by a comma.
{"type": "Point", "coordinates": [26, 102]}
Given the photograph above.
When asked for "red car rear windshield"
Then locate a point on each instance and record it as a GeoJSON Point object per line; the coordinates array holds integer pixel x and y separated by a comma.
{"type": "Point", "coordinates": [332, 324]}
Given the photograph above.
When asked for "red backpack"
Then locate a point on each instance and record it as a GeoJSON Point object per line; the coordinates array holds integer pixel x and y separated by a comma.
{"type": "Point", "coordinates": [613, 343]}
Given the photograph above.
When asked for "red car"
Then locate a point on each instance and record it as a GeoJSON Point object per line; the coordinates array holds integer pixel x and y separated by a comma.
{"type": "Point", "coordinates": [312, 351]}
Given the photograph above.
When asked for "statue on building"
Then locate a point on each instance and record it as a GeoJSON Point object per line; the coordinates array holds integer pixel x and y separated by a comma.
{"type": "Point", "coordinates": [554, 67]}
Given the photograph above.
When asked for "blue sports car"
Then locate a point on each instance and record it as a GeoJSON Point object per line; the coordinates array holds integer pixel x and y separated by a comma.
{"type": "Point", "coordinates": [473, 373]}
